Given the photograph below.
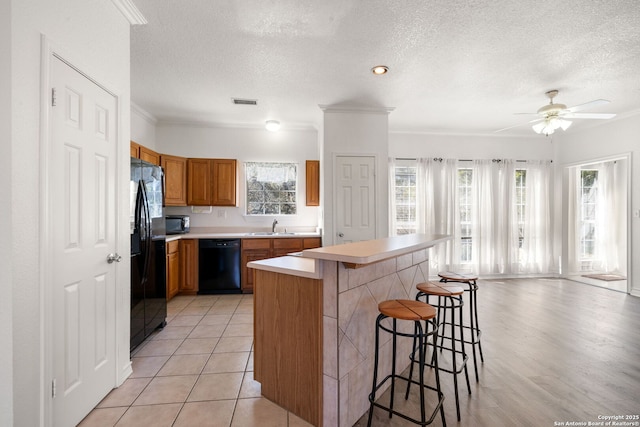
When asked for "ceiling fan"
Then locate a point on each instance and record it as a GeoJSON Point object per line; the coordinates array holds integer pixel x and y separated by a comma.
{"type": "Point", "coordinates": [554, 116]}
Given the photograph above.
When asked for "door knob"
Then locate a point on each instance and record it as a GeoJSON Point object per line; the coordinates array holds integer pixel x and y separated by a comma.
{"type": "Point", "coordinates": [340, 234]}
{"type": "Point", "coordinates": [111, 258]}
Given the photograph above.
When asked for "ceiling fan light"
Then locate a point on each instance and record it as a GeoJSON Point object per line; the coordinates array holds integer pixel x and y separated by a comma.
{"type": "Point", "coordinates": [564, 124]}
{"type": "Point", "coordinates": [538, 127]}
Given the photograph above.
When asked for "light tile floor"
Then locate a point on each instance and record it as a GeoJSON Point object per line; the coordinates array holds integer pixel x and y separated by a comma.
{"type": "Point", "coordinates": [197, 371]}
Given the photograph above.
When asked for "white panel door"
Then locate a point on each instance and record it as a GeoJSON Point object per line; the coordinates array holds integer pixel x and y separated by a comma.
{"type": "Point", "coordinates": [82, 180]}
{"type": "Point", "coordinates": [355, 199]}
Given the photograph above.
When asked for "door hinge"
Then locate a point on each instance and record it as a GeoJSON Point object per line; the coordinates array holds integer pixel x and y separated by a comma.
{"type": "Point", "coordinates": [53, 388]}
{"type": "Point", "coordinates": [53, 96]}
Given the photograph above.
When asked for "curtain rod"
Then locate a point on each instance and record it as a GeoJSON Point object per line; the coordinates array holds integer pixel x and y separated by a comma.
{"type": "Point", "coordinates": [439, 159]}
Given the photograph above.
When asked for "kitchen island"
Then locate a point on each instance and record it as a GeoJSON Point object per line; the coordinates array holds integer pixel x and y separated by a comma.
{"type": "Point", "coordinates": [314, 318]}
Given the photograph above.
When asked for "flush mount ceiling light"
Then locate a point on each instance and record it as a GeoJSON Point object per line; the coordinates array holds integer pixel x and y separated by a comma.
{"type": "Point", "coordinates": [272, 125]}
{"type": "Point", "coordinates": [379, 70]}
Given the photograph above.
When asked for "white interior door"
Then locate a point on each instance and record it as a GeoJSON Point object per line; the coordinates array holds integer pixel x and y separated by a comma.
{"type": "Point", "coordinates": [82, 180]}
{"type": "Point", "coordinates": [355, 199]}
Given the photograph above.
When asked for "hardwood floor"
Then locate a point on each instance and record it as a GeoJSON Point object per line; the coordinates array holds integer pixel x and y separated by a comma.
{"type": "Point", "coordinates": [555, 351]}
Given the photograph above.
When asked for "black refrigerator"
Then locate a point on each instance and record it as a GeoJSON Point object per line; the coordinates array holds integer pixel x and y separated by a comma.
{"type": "Point", "coordinates": [148, 251]}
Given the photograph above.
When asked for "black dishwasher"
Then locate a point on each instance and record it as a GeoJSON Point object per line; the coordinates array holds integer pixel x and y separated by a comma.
{"type": "Point", "coordinates": [219, 266]}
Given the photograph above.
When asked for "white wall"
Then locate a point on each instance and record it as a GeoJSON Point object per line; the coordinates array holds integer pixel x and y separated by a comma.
{"type": "Point", "coordinates": [94, 36]}
{"type": "Point", "coordinates": [407, 145]}
{"type": "Point", "coordinates": [355, 132]}
{"type": "Point", "coordinates": [143, 127]}
{"type": "Point", "coordinates": [609, 139]}
{"type": "Point", "coordinates": [6, 257]}
{"type": "Point", "coordinates": [245, 145]}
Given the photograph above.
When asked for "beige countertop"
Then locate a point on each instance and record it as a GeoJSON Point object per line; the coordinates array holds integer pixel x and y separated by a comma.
{"type": "Point", "coordinates": [359, 253]}
{"type": "Point", "coordinates": [370, 251]}
{"type": "Point", "coordinates": [292, 265]}
{"type": "Point", "coordinates": [214, 233]}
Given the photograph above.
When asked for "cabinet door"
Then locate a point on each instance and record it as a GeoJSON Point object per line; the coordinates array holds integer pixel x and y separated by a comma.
{"type": "Point", "coordinates": [283, 246]}
{"type": "Point", "coordinates": [311, 242]}
{"type": "Point", "coordinates": [198, 186]}
{"type": "Point", "coordinates": [149, 156]}
{"type": "Point", "coordinates": [313, 182]}
{"type": "Point", "coordinates": [223, 182]}
{"type": "Point", "coordinates": [249, 255]}
{"type": "Point", "coordinates": [135, 150]}
{"type": "Point", "coordinates": [189, 266]}
{"type": "Point", "coordinates": [175, 180]}
{"type": "Point", "coordinates": [173, 269]}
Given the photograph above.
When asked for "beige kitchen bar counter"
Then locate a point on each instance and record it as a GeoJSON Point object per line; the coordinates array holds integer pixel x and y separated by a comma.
{"type": "Point", "coordinates": [314, 318]}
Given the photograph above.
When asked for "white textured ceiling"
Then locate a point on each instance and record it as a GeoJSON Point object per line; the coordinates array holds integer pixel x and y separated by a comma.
{"type": "Point", "coordinates": [456, 66]}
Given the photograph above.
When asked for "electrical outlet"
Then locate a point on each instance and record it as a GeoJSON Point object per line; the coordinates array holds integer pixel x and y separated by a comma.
{"type": "Point", "coordinates": [222, 213]}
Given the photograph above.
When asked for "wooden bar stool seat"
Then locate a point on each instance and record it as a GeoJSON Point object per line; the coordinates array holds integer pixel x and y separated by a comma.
{"type": "Point", "coordinates": [449, 299]}
{"type": "Point", "coordinates": [420, 313]}
{"type": "Point", "coordinates": [473, 327]}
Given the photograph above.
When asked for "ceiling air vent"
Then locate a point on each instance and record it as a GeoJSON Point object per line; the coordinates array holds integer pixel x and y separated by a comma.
{"type": "Point", "coordinates": [239, 101]}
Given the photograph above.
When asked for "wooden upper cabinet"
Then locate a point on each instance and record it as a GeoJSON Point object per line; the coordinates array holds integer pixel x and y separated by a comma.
{"type": "Point", "coordinates": [175, 180]}
{"type": "Point", "coordinates": [211, 182]}
{"type": "Point", "coordinates": [223, 182]}
{"type": "Point", "coordinates": [149, 156]}
{"type": "Point", "coordinates": [135, 150]}
{"type": "Point", "coordinates": [313, 182]}
{"type": "Point", "coordinates": [198, 182]}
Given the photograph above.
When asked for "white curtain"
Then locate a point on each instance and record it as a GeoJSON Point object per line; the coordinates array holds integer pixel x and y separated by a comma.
{"type": "Point", "coordinates": [494, 221]}
{"type": "Point", "coordinates": [608, 217]}
{"type": "Point", "coordinates": [393, 226]}
{"type": "Point", "coordinates": [438, 209]}
{"type": "Point", "coordinates": [536, 247]}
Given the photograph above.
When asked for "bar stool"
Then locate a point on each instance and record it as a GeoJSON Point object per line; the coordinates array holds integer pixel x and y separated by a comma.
{"type": "Point", "coordinates": [449, 299]}
{"type": "Point", "coordinates": [417, 312]}
{"type": "Point", "coordinates": [473, 327]}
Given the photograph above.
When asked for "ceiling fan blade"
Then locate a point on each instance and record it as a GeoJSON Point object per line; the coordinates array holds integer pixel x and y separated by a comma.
{"type": "Point", "coordinates": [589, 104]}
{"type": "Point", "coordinates": [588, 116]}
{"type": "Point", "coordinates": [515, 126]}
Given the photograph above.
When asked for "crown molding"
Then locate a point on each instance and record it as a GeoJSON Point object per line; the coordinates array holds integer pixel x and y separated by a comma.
{"type": "Point", "coordinates": [130, 11]}
{"type": "Point", "coordinates": [355, 109]}
{"type": "Point", "coordinates": [248, 126]}
{"type": "Point", "coordinates": [145, 114]}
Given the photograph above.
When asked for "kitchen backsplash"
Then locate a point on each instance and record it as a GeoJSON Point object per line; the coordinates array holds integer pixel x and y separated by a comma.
{"type": "Point", "coordinates": [308, 218]}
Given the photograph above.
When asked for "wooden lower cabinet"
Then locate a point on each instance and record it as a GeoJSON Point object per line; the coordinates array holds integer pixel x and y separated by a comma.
{"type": "Point", "coordinates": [288, 330]}
{"type": "Point", "coordinates": [311, 242]}
{"type": "Point", "coordinates": [263, 248]}
{"type": "Point", "coordinates": [281, 247]}
{"type": "Point", "coordinates": [189, 266]}
{"type": "Point", "coordinates": [173, 269]}
{"type": "Point", "coordinates": [252, 250]}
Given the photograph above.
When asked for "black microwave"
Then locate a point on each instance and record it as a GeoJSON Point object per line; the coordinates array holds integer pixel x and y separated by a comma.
{"type": "Point", "coordinates": [177, 224]}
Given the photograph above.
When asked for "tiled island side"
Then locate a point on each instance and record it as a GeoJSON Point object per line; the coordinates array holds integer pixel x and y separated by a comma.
{"type": "Point", "coordinates": [314, 321]}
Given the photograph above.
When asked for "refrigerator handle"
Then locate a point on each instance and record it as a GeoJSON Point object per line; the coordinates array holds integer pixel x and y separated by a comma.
{"type": "Point", "coordinates": [162, 186]}
{"type": "Point", "coordinates": [147, 231]}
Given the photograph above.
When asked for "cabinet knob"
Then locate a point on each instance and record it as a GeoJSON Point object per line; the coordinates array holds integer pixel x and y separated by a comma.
{"type": "Point", "coordinates": [340, 234]}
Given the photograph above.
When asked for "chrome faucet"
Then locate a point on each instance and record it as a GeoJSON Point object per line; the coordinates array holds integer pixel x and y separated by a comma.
{"type": "Point", "coordinates": [273, 226]}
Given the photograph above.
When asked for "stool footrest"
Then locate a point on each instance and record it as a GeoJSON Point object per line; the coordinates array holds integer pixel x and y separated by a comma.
{"type": "Point", "coordinates": [401, 415]}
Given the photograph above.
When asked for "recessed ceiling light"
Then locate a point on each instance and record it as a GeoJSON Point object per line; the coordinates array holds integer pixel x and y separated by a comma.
{"type": "Point", "coordinates": [378, 70]}
{"type": "Point", "coordinates": [272, 125]}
